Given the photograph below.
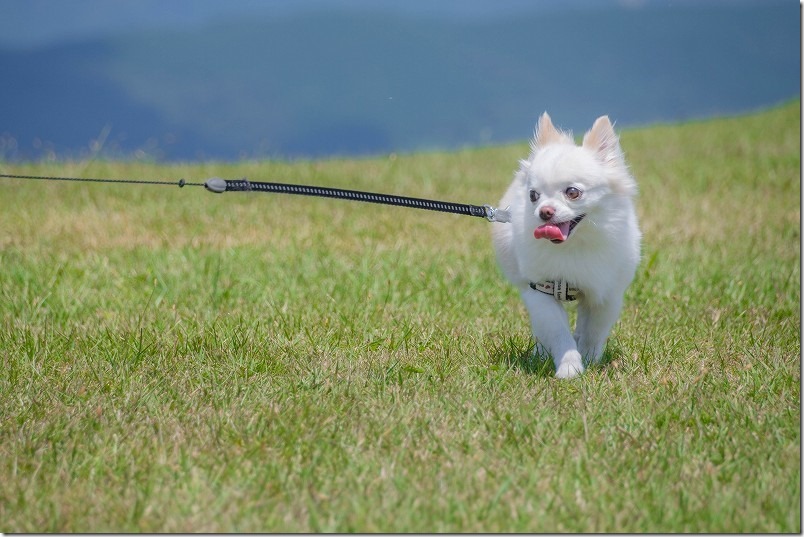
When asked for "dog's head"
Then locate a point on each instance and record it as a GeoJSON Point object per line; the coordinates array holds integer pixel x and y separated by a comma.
{"type": "Point", "coordinates": [563, 184]}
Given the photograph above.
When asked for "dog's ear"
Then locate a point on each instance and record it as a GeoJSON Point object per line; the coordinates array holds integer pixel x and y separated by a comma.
{"type": "Point", "coordinates": [602, 139]}
{"type": "Point", "coordinates": [546, 133]}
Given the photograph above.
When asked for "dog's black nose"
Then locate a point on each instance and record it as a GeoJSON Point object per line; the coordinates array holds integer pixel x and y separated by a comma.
{"type": "Point", "coordinates": [546, 213]}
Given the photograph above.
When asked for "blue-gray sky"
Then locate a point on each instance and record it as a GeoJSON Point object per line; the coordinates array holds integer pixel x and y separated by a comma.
{"type": "Point", "coordinates": [200, 79]}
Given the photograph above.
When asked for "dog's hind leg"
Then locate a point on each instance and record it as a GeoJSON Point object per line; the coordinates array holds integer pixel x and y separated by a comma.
{"type": "Point", "coordinates": [594, 324]}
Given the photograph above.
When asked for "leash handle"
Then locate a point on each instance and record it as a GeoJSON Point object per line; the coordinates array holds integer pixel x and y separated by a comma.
{"type": "Point", "coordinates": [219, 186]}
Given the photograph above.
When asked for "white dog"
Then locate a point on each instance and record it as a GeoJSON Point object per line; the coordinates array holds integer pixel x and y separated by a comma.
{"type": "Point", "coordinates": [573, 235]}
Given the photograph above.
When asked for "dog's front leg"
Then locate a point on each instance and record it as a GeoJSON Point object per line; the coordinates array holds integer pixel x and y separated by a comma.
{"type": "Point", "coordinates": [550, 326]}
{"type": "Point", "coordinates": [594, 324]}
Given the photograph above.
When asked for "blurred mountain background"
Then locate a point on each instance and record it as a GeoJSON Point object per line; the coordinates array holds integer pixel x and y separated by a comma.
{"type": "Point", "coordinates": [174, 80]}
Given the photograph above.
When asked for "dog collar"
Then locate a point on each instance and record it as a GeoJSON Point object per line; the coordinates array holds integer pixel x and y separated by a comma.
{"type": "Point", "coordinates": [559, 289]}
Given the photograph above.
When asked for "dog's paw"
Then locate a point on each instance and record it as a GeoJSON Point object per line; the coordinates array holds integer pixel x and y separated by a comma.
{"type": "Point", "coordinates": [568, 369]}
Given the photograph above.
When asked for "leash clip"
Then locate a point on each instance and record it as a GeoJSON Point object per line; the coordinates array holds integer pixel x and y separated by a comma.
{"type": "Point", "coordinates": [498, 215]}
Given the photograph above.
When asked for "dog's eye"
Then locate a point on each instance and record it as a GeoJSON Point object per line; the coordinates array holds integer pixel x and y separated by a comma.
{"type": "Point", "coordinates": [534, 196]}
{"type": "Point", "coordinates": [572, 193]}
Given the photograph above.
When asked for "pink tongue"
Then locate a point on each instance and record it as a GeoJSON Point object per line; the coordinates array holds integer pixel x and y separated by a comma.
{"type": "Point", "coordinates": [553, 232]}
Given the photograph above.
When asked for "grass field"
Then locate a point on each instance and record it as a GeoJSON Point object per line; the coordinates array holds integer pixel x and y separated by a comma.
{"type": "Point", "coordinates": [177, 361]}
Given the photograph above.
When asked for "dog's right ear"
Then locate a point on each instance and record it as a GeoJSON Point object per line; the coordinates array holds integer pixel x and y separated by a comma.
{"type": "Point", "coordinates": [546, 132]}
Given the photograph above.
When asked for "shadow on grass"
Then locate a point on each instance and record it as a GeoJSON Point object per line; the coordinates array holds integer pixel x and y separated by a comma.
{"type": "Point", "coordinates": [512, 353]}
{"type": "Point", "coordinates": [526, 357]}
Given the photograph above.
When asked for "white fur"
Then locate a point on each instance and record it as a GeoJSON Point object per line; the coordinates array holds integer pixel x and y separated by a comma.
{"type": "Point", "coordinates": [599, 257]}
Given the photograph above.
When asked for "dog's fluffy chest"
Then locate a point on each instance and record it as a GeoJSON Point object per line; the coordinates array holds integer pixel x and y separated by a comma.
{"type": "Point", "coordinates": [598, 262]}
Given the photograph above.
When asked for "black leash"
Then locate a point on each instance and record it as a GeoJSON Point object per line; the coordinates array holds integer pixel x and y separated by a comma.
{"type": "Point", "coordinates": [180, 183]}
{"type": "Point", "coordinates": [219, 186]}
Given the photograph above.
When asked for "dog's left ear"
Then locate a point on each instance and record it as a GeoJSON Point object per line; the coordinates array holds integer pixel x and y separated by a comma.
{"type": "Point", "coordinates": [602, 139]}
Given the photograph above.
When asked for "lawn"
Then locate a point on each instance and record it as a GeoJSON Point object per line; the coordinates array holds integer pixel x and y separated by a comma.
{"type": "Point", "coordinates": [178, 361]}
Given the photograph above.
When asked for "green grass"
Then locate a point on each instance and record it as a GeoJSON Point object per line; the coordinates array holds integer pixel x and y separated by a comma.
{"type": "Point", "coordinates": [177, 361]}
